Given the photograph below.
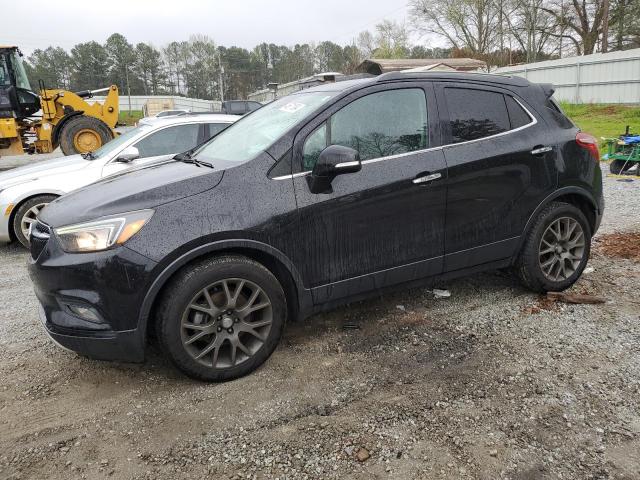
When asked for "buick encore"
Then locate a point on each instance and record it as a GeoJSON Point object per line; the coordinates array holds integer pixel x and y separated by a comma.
{"type": "Point", "coordinates": [327, 196]}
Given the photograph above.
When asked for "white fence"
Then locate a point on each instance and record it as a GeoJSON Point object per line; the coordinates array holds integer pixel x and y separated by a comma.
{"type": "Point", "coordinates": [138, 101]}
{"type": "Point", "coordinates": [599, 78]}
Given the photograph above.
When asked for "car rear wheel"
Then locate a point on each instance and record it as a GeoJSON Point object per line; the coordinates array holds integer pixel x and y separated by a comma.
{"type": "Point", "coordinates": [222, 318]}
{"type": "Point", "coordinates": [556, 249]}
{"type": "Point", "coordinates": [26, 215]}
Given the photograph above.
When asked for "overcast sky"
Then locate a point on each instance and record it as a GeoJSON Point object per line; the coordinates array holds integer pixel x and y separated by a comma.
{"type": "Point", "coordinates": [34, 24]}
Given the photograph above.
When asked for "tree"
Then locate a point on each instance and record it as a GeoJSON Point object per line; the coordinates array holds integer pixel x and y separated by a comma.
{"type": "Point", "coordinates": [148, 67]}
{"type": "Point", "coordinates": [366, 44]}
{"type": "Point", "coordinates": [531, 26]}
{"type": "Point", "coordinates": [580, 21]}
{"type": "Point", "coordinates": [329, 57]}
{"type": "Point", "coordinates": [466, 24]}
{"type": "Point", "coordinates": [391, 40]}
{"type": "Point", "coordinates": [90, 66]}
{"type": "Point", "coordinates": [122, 58]}
{"type": "Point", "coordinates": [53, 66]}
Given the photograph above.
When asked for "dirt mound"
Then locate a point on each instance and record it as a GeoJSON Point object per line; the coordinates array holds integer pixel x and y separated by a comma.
{"type": "Point", "coordinates": [621, 245]}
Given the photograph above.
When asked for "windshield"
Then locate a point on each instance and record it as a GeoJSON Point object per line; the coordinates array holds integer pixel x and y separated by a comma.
{"type": "Point", "coordinates": [117, 142]}
{"type": "Point", "coordinates": [21, 75]}
{"type": "Point", "coordinates": [255, 133]}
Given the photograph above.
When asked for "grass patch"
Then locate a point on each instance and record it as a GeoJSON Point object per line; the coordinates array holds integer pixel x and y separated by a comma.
{"type": "Point", "coordinates": [602, 120]}
{"type": "Point", "coordinates": [127, 119]}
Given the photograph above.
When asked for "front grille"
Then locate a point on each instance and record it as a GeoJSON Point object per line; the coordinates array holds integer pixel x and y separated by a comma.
{"type": "Point", "coordinates": [40, 234]}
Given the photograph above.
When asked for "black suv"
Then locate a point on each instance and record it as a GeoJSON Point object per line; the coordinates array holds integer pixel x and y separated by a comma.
{"type": "Point", "coordinates": [320, 198]}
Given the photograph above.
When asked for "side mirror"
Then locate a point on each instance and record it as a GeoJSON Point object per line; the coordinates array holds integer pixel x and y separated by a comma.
{"type": "Point", "coordinates": [333, 161]}
{"type": "Point", "coordinates": [128, 154]}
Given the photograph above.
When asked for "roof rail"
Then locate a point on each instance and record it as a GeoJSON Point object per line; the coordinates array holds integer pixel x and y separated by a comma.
{"type": "Point", "coordinates": [487, 77]}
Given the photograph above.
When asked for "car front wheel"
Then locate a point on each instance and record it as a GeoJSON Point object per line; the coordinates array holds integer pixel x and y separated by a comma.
{"type": "Point", "coordinates": [556, 249]}
{"type": "Point", "coordinates": [221, 318]}
{"type": "Point", "coordinates": [26, 215]}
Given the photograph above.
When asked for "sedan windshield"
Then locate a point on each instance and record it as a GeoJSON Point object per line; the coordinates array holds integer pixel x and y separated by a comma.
{"type": "Point", "coordinates": [255, 133]}
{"type": "Point", "coordinates": [117, 142]}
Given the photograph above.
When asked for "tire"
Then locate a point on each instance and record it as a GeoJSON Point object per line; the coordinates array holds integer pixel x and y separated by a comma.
{"type": "Point", "coordinates": [26, 213]}
{"type": "Point", "coordinates": [177, 322]}
{"type": "Point", "coordinates": [541, 267]}
{"type": "Point", "coordinates": [82, 134]}
{"type": "Point", "coordinates": [618, 167]}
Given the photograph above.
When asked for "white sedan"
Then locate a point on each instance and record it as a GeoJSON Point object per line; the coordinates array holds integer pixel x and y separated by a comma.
{"type": "Point", "coordinates": [26, 190]}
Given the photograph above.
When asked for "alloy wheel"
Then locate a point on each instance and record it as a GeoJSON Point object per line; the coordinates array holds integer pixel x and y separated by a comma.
{"type": "Point", "coordinates": [561, 249]}
{"type": "Point", "coordinates": [226, 323]}
{"type": "Point", "coordinates": [30, 217]}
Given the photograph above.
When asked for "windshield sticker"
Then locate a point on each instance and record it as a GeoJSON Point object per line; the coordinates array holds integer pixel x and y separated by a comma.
{"type": "Point", "coordinates": [292, 107]}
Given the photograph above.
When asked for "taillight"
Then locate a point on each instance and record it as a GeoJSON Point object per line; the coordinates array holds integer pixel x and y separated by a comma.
{"type": "Point", "coordinates": [590, 143]}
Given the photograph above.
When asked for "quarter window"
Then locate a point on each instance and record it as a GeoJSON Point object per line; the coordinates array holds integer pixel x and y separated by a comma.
{"type": "Point", "coordinates": [377, 125]}
{"type": "Point", "coordinates": [517, 116]}
{"type": "Point", "coordinates": [177, 139]}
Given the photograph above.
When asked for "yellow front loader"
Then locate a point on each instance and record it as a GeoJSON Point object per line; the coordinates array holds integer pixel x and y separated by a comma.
{"type": "Point", "coordinates": [66, 120]}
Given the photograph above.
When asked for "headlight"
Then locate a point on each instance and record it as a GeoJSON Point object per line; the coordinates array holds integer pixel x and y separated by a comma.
{"type": "Point", "coordinates": [102, 234]}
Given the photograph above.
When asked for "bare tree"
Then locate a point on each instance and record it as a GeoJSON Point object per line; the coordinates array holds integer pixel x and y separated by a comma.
{"type": "Point", "coordinates": [583, 20]}
{"type": "Point", "coordinates": [531, 26]}
{"type": "Point", "coordinates": [391, 40]}
{"type": "Point", "coordinates": [469, 25]}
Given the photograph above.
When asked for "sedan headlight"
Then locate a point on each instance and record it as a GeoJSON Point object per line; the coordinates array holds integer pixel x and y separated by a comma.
{"type": "Point", "coordinates": [102, 234]}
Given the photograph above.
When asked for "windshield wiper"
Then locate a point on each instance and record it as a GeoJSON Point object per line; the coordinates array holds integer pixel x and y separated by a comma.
{"type": "Point", "coordinates": [88, 156]}
{"type": "Point", "coordinates": [187, 158]}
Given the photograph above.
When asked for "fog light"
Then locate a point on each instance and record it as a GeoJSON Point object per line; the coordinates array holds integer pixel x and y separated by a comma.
{"type": "Point", "coordinates": [85, 313]}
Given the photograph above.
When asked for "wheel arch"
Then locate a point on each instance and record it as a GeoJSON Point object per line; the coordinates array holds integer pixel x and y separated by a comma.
{"type": "Point", "coordinates": [577, 196]}
{"type": "Point", "coordinates": [18, 203]}
{"type": "Point", "coordinates": [298, 298]}
{"type": "Point", "coordinates": [57, 129]}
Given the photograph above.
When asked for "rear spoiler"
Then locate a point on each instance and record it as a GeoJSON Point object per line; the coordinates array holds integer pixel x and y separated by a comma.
{"type": "Point", "coordinates": [548, 89]}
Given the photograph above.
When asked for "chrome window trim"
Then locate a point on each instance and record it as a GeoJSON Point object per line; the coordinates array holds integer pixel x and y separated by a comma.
{"type": "Point", "coordinates": [534, 121]}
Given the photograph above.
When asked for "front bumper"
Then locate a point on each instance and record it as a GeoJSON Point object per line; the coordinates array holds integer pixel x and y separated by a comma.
{"type": "Point", "coordinates": [5, 236]}
{"type": "Point", "coordinates": [118, 346]}
{"type": "Point", "coordinates": [112, 284]}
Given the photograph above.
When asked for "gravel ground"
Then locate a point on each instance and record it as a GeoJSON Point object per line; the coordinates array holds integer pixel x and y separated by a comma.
{"type": "Point", "coordinates": [493, 382]}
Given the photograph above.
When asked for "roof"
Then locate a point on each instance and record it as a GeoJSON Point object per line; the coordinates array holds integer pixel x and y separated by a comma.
{"type": "Point", "coordinates": [177, 119]}
{"type": "Point", "coordinates": [485, 78]}
{"type": "Point", "coordinates": [377, 66]}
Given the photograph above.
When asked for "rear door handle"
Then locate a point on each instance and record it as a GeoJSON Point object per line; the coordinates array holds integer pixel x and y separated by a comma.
{"type": "Point", "coordinates": [539, 150]}
{"type": "Point", "coordinates": [427, 178]}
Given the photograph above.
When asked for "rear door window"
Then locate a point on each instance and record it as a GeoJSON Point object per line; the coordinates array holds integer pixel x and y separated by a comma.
{"type": "Point", "coordinates": [475, 114]}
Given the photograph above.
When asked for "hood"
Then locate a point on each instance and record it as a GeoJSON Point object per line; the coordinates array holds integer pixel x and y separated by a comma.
{"type": "Point", "coordinates": [38, 170]}
{"type": "Point", "coordinates": [132, 190]}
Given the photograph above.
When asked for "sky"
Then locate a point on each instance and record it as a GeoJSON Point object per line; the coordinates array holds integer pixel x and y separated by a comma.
{"type": "Point", "coordinates": [243, 23]}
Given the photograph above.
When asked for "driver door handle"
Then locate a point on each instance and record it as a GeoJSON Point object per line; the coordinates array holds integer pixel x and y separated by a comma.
{"type": "Point", "coordinates": [539, 150]}
{"type": "Point", "coordinates": [426, 178]}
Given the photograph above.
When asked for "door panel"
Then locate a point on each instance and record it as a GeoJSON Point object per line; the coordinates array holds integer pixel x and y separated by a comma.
{"type": "Point", "coordinates": [494, 184]}
{"type": "Point", "coordinates": [376, 220]}
{"type": "Point", "coordinates": [377, 227]}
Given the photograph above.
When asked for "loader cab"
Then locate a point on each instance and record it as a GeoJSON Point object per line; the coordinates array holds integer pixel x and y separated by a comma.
{"type": "Point", "coordinates": [17, 100]}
